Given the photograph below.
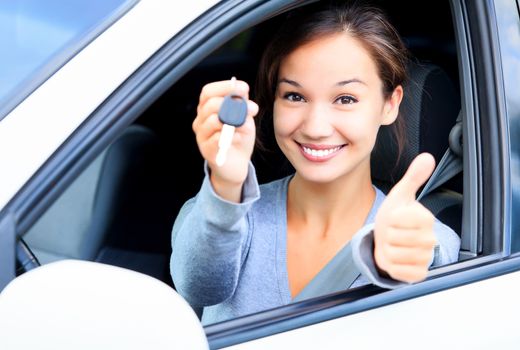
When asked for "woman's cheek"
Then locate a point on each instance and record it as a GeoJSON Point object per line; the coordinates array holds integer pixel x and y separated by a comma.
{"type": "Point", "coordinates": [286, 120]}
{"type": "Point", "coordinates": [352, 127]}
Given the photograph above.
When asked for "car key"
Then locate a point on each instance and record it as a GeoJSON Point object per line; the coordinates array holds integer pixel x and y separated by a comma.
{"type": "Point", "coordinates": [232, 114]}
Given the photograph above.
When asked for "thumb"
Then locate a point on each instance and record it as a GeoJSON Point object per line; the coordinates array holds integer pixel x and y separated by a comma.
{"type": "Point", "coordinates": [417, 174]}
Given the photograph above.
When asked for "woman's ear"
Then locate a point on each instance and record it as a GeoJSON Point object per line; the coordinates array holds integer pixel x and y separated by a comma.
{"type": "Point", "coordinates": [391, 108]}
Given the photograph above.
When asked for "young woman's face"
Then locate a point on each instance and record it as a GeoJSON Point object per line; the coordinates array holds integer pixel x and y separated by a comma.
{"type": "Point", "coordinates": [329, 106]}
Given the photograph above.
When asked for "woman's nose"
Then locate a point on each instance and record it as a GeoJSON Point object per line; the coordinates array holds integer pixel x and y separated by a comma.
{"type": "Point", "coordinates": [316, 123]}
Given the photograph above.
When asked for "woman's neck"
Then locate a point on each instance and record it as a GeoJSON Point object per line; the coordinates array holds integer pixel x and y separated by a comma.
{"type": "Point", "coordinates": [323, 206]}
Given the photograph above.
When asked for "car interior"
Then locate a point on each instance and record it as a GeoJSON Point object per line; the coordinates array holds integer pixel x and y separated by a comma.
{"type": "Point", "coordinates": [121, 209]}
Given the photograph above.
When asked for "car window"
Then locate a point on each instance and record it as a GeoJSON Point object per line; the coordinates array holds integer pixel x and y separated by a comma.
{"type": "Point", "coordinates": [38, 37]}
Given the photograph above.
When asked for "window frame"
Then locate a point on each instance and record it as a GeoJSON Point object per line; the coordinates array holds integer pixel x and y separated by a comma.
{"type": "Point", "coordinates": [490, 127]}
{"type": "Point", "coordinates": [471, 234]}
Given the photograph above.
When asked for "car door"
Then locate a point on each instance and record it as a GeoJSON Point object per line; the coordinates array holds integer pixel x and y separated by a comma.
{"type": "Point", "coordinates": [462, 300]}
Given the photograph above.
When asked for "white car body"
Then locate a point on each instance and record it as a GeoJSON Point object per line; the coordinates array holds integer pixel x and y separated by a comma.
{"type": "Point", "coordinates": [418, 324]}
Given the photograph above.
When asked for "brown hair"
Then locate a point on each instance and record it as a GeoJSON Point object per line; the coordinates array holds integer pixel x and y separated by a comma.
{"type": "Point", "coordinates": [366, 23]}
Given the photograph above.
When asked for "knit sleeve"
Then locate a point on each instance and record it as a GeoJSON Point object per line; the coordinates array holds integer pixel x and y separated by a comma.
{"type": "Point", "coordinates": [209, 240]}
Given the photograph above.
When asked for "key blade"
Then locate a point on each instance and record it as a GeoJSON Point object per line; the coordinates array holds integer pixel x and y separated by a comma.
{"type": "Point", "coordinates": [226, 136]}
{"type": "Point", "coordinates": [224, 142]}
{"type": "Point", "coordinates": [221, 157]}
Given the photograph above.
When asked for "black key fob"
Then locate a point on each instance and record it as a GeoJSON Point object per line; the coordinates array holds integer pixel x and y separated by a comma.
{"type": "Point", "coordinates": [233, 110]}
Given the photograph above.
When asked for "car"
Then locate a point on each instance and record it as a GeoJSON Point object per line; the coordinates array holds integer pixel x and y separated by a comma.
{"type": "Point", "coordinates": [97, 156]}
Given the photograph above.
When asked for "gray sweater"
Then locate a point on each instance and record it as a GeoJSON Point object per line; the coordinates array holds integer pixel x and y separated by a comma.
{"type": "Point", "coordinates": [230, 258]}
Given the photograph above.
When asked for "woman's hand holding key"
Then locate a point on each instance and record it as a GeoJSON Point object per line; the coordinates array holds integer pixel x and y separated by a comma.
{"type": "Point", "coordinates": [227, 179]}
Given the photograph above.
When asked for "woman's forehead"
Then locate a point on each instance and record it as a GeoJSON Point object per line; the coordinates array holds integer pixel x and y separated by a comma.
{"type": "Point", "coordinates": [332, 57]}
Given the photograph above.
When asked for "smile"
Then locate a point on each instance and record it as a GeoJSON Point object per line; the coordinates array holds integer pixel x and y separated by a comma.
{"type": "Point", "coordinates": [319, 152]}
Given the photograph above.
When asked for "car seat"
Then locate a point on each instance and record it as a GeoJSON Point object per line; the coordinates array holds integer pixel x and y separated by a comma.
{"type": "Point", "coordinates": [430, 108]}
{"type": "Point", "coordinates": [118, 211]}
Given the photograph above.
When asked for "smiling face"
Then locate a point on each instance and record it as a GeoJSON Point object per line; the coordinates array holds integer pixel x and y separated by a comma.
{"type": "Point", "coordinates": [328, 108]}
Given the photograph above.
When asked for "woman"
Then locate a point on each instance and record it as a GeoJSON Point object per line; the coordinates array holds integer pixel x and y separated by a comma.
{"type": "Point", "coordinates": [329, 79]}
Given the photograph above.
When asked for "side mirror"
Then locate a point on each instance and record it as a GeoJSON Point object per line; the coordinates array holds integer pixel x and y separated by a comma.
{"type": "Point", "coordinates": [74, 304]}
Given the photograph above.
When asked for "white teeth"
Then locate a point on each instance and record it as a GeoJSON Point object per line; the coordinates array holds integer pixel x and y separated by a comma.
{"type": "Point", "coordinates": [321, 152]}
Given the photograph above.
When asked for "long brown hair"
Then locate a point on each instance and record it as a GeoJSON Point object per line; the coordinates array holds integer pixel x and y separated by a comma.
{"type": "Point", "coordinates": [366, 23]}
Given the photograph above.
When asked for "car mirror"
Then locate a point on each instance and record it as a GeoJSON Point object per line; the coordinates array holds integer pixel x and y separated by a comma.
{"type": "Point", "coordinates": [74, 304]}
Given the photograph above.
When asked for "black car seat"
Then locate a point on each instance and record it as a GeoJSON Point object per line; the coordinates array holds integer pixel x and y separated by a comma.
{"type": "Point", "coordinates": [118, 211]}
{"type": "Point", "coordinates": [430, 108]}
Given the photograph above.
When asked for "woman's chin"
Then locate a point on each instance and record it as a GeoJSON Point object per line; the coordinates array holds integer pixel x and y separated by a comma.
{"type": "Point", "coordinates": [318, 176]}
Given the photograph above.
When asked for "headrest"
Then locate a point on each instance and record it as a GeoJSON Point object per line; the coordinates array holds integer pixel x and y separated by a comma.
{"type": "Point", "coordinates": [430, 107]}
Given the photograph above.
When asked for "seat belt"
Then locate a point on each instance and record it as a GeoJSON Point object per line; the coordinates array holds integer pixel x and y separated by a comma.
{"type": "Point", "coordinates": [337, 275]}
{"type": "Point", "coordinates": [450, 163]}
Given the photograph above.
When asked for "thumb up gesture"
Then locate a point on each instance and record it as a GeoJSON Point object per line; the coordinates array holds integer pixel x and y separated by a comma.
{"type": "Point", "coordinates": [403, 232]}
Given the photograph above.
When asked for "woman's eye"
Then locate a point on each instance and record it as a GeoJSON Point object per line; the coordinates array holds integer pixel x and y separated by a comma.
{"type": "Point", "coordinates": [293, 97]}
{"type": "Point", "coordinates": [346, 100]}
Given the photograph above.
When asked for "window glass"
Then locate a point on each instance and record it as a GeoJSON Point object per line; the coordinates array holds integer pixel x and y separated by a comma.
{"type": "Point", "coordinates": [39, 36]}
{"type": "Point", "coordinates": [509, 36]}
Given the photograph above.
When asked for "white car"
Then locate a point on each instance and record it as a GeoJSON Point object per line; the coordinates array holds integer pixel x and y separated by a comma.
{"type": "Point", "coordinates": [97, 155]}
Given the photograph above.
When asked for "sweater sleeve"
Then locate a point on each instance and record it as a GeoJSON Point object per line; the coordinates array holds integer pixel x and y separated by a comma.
{"type": "Point", "coordinates": [210, 238]}
{"type": "Point", "coordinates": [446, 251]}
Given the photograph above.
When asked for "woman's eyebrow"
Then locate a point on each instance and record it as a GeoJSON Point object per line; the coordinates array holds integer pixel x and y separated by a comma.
{"type": "Point", "coordinates": [290, 82]}
{"type": "Point", "coordinates": [341, 83]}
{"type": "Point", "coordinates": [349, 81]}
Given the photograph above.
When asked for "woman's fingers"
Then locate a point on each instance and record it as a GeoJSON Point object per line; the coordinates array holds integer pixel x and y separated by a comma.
{"type": "Point", "coordinates": [252, 108]}
{"type": "Point", "coordinates": [399, 237]}
{"type": "Point", "coordinates": [404, 263]}
{"type": "Point", "coordinates": [412, 216]}
{"type": "Point", "coordinates": [206, 129]}
{"type": "Point", "coordinates": [408, 273]}
{"type": "Point", "coordinates": [222, 88]}
{"type": "Point", "coordinates": [211, 106]}
{"type": "Point", "coordinates": [419, 256]}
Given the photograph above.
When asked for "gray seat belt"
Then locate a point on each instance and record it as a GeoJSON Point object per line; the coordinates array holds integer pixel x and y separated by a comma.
{"type": "Point", "coordinates": [450, 163]}
{"type": "Point", "coordinates": [337, 275]}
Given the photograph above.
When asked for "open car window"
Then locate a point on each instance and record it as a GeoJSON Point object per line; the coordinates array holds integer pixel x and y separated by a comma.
{"type": "Point", "coordinates": [102, 216]}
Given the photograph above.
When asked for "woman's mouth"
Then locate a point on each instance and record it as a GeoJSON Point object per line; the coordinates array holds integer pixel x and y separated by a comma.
{"type": "Point", "coordinates": [319, 153]}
